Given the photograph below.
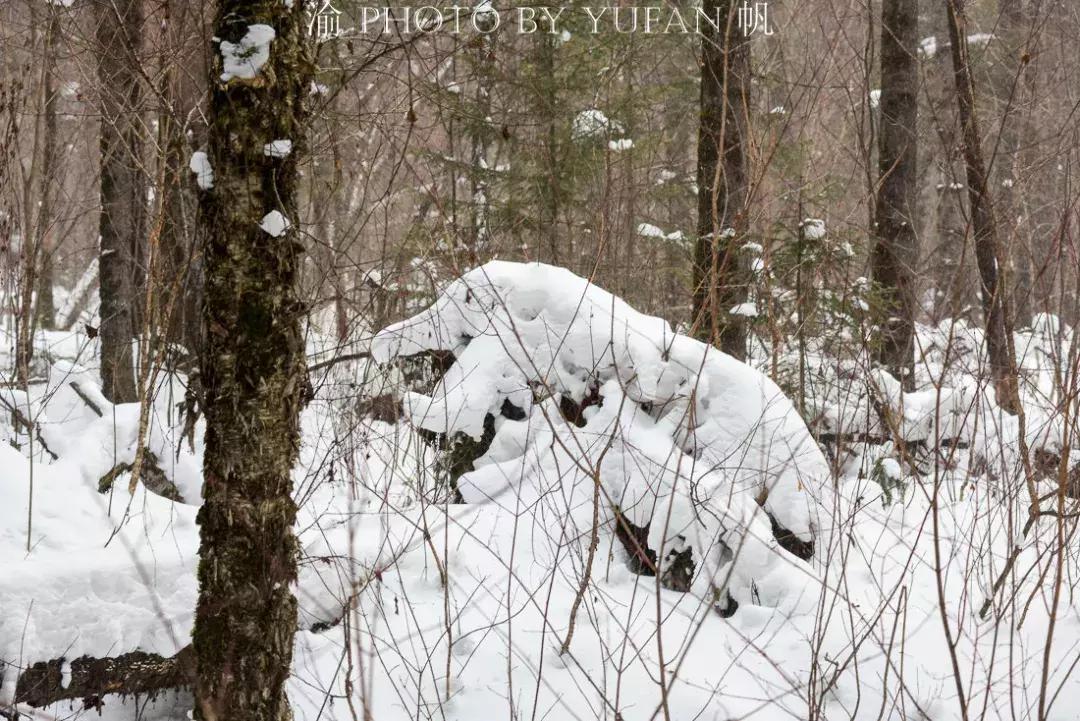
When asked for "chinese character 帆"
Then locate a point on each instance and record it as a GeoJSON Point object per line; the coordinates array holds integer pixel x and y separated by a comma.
{"type": "Point", "coordinates": [753, 17]}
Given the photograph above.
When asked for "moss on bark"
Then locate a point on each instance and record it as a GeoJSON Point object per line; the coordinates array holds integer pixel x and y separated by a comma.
{"type": "Point", "coordinates": [253, 374]}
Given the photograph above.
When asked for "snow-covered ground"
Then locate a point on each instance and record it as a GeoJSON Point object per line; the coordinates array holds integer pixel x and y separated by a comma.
{"type": "Point", "coordinates": [412, 608]}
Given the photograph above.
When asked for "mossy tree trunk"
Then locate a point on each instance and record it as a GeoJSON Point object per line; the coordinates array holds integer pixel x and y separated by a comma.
{"type": "Point", "coordinates": [253, 373]}
{"type": "Point", "coordinates": [123, 189]}
{"type": "Point", "coordinates": [894, 256]}
{"type": "Point", "coordinates": [720, 280]}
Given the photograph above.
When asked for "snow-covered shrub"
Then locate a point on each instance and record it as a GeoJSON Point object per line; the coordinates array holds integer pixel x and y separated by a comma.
{"type": "Point", "coordinates": [952, 418]}
{"type": "Point", "coordinates": [595, 416]}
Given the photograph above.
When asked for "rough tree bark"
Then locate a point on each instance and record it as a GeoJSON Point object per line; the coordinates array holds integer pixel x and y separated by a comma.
{"type": "Point", "coordinates": [90, 679]}
{"type": "Point", "coordinates": [999, 343]}
{"type": "Point", "coordinates": [720, 281]}
{"type": "Point", "coordinates": [252, 369]}
{"type": "Point", "coordinates": [895, 252]}
{"type": "Point", "coordinates": [123, 189]}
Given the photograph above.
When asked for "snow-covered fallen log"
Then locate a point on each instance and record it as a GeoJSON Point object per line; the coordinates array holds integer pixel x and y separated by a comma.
{"type": "Point", "coordinates": [684, 440]}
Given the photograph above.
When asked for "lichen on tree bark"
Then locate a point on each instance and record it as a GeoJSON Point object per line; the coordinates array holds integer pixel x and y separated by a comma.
{"type": "Point", "coordinates": [253, 374]}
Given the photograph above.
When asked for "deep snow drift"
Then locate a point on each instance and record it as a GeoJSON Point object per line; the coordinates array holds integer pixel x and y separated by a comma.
{"type": "Point", "coordinates": [411, 608]}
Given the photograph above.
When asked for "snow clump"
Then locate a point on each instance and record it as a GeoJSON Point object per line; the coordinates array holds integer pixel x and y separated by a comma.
{"type": "Point", "coordinates": [246, 57]}
{"type": "Point", "coordinates": [278, 148]}
{"type": "Point", "coordinates": [204, 172]}
{"type": "Point", "coordinates": [592, 123]}
{"type": "Point", "coordinates": [813, 228]}
{"type": "Point", "coordinates": [275, 224]}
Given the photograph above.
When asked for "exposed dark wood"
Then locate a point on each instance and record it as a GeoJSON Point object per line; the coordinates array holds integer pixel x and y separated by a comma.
{"type": "Point", "coordinates": [151, 475]}
{"type": "Point", "coordinates": [790, 542]}
{"type": "Point", "coordinates": [86, 399]}
{"type": "Point", "coordinates": [338, 359]}
{"type": "Point", "coordinates": [91, 678]}
{"type": "Point", "coordinates": [386, 408]}
{"type": "Point", "coordinates": [640, 559]}
{"type": "Point", "coordinates": [720, 278]}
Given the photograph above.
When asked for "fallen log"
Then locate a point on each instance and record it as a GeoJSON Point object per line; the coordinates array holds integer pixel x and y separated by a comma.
{"type": "Point", "coordinates": [153, 477]}
{"type": "Point", "coordinates": [89, 679]}
{"type": "Point", "coordinates": [86, 399]}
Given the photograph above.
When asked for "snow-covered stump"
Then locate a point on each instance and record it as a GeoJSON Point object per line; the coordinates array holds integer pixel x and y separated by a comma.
{"type": "Point", "coordinates": [607, 426]}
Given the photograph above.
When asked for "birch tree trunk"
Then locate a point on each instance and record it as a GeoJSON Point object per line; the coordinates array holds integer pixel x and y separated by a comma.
{"type": "Point", "coordinates": [252, 365]}
{"type": "Point", "coordinates": [720, 281]}
{"type": "Point", "coordinates": [895, 253]}
{"type": "Point", "coordinates": [999, 345]}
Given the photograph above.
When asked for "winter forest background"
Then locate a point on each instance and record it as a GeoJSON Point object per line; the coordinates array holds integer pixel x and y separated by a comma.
{"type": "Point", "coordinates": [550, 375]}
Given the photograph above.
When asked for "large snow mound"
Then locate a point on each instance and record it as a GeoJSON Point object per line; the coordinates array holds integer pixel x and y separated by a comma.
{"type": "Point", "coordinates": [685, 440]}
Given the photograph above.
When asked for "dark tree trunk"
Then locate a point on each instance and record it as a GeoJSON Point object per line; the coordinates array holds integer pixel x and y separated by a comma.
{"type": "Point", "coordinates": [45, 310]}
{"type": "Point", "coordinates": [481, 139]}
{"type": "Point", "coordinates": [942, 248]}
{"type": "Point", "coordinates": [720, 281]}
{"type": "Point", "coordinates": [550, 181]}
{"type": "Point", "coordinates": [895, 253]}
{"type": "Point", "coordinates": [182, 277]}
{"type": "Point", "coordinates": [999, 344]}
{"type": "Point", "coordinates": [182, 90]}
{"type": "Point", "coordinates": [253, 373]}
{"type": "Point", "coordinates": [123, 190]}
{"type": "Point", "coordinates": [1010, 85]}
